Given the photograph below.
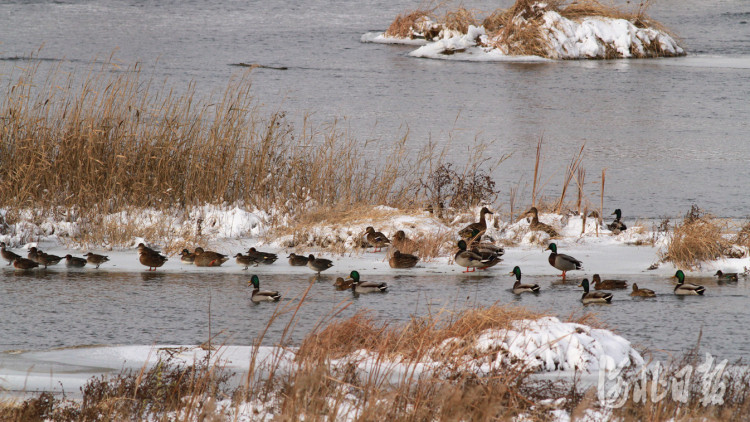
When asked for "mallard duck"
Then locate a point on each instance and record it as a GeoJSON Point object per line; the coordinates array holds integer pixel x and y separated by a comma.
{"type": "Point", "coordinates": [24, 263]}
{"type": "Point", "coordinates": [519, 288]}
{"type": "Point", "coordinates": [726, 276]}
{"type": "Point", "coordinates": [609, 284]}
{"type": "Point", "coordinates": [402, 260]}
{"type": "Point", "coordinates": [376, 239]}
{"type": "Point", "coordinates": [642, 292]}
{"type": "Point", "coordinates": [563, 262]}
{"type": "Point", "coordinates": [245, 260]}
{"type": "Point", "coordinates": [262, 296]}
{"type": "Point", "coordinates": [683, 288]}
{"type": "Point", "coordinates": [74, 261]}
{"type": "Point", "coordinates": [538, 226]}
{"type": "Point", "coordinates": [593, 297]}
{"type": "Point", "coordinates": [143, 248]}
{"type": "Point", "coordinates": [152, 259]}
{"type": "Point", "coordinates": [318, 264]}
{"type": "Point", "coordinates": [403, 243]}
{"type": "Point", "coordinates": [8, 255]}
{"type": "Point", "coordinates": [473, 260]}
{"type": "Point", "coordinates": [265, 258]}
{"type": "Point", "coordinates": [208, 258]}
{"type": "Point", "coordinates": [186, 257]}
{"type": "Point", "coordinates": [617, 226]}
{"type": "Point", "coordinates": [486, 247]}
{"type": "Point", "coordinates": [476, 230]}
{"type": "Point", "coordinates": [359, 286]}
{"type": "Point", "coordinates": [47, 259]}
{"type": "Point", "coordinates": [95, 259]}
{"type": "Point", "coordinates": [342, 284]}
{"type": "Point", "coordinates": [297, 260]}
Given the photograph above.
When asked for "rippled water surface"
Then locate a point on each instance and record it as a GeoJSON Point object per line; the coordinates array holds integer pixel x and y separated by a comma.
{"type": "Point", "coordinates": [60, 308]}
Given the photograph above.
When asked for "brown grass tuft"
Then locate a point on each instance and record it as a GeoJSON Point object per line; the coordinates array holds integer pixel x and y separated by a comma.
{"type": "Point", "coordinates": [403, 25]}
{"type": "Point", "coordinates": [459, 20]}
{"type": "Point", "coordinates": [699, 238]}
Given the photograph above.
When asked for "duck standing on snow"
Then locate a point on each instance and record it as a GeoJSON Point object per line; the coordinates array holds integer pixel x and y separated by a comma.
{"type": "Point", "coordinates": [318, 264]}
{"type": "Point", "coordinates": [519, 288]}
{"type": "Point", "coordinates": [617, 226]}
{"type": "Point", "coordinates": [476, 230]}
{"type": "Point", "coordinates": [208, 258]}
{"type": "Point", "coordinates": [297, 260]}
{"type": "Point", "coordinates": [8, 255]}
{"type": "Point", "coordinates": [726, 276]}
{"type": "Point", "coordinates": [608, 284]}
{"type": "Point", "coordinates": [359, 286]}
{"type": "Point", "coordinates": [74, 261]}
{"type": "Point", "coordinates": [262, 295]}
{"type": "Point", "coordinates": [593, 297]}
{"type": "Point", "coordinates": [42, 258]}
{"type": "Point", "coordinates": [95, 259]}
{"type": "Point", "coordinates": [245, 260]}
{"type": "Point", "coordinates": [563, 262]}
{"type": "Point", "coordinates": [642, 292]}
{"type": "Point", "coordinates": [473, 260]}
{"type": "Point", "coordinates": [266, 258]}
{"type": "Point", "coordinates": [683, 288]}
{"type": "Point", "coordinates": [151, 258]}
{"type": "Point", "coordinates": [376, 239]}
{"type": "Point", "coordinates": [538, 226]}
{"type": "Point", "coordinates": [402, 260]}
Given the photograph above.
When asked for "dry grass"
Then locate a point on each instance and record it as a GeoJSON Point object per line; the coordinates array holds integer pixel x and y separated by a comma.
{"type": "Point", "coordinates": [459, 20]}
{"type": "Point", "coordinates": [699, 238]}
{"type": "Point", "coordinates": [403, 25]}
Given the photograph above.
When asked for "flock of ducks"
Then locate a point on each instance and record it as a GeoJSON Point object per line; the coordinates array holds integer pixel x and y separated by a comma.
{"type": "Point", "coordinates": [472, 254]}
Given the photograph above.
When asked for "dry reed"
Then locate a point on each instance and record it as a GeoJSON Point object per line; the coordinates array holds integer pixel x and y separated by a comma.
{"type": "Point", "coordinates": [699, 238]}
{"type": "Point", "coordinates": [403, 25]}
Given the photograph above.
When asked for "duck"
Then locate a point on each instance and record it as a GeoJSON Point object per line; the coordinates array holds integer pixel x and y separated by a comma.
{"type": "Point", "coordinates": [470, 259]}
{"type": "Point", "coordinates": [642, 292]}
{"type": "Point", "coordinates": [726, 276]}
{"type": "Point", "coordinates": [95, 259]}
{"type": "Point", "coordinates": [297, 260]}
{"type": "Point", "coordinates": [74, 261]}
{"type": "Point", "coordinates": [617, 226]}
{"type": "Point", "coordinates": [376, 239]}
{"type": "Point", "coordinates": [33, 254]}
{"type": "Point", "coordinates": [593, 297]}
{"type": "Point", "coordinates": [318, 264]}
{"type": "Point", "coordinates": [538, 226]}
{"type": "Point", "coordinates": [208, 258]}
{"type": "Point", "coordinates": [265, 258]}
{"type": "Point", "coordinates": [403, 243]}
{"type": "Point", "coordinates": [186, 257]}
{"type": "Point", "coordinates": [683, 288]}
{"type": "Point", "coordinates": [151, 259]}
{"type": "Point", "coordinates": [359, 286]}
{"type": "Point", "coordinates": [47, 259]}
{"type": "Point", "coordinates": [8, 255]}
{"type": "Point", "coordinates": [519, 288]}
{"type": "Point", "coordinates": [608, 284]}
{"type": "Point", "coordinates": [24, 263]}
{"type": "Point", "coordinates": [143, 248]}
{"type": "Point", "coordinates": [342, 284]}
{"type": "Point", "coordinates": [245, 260]}
{"type": "Point", "coordinates": [476, 230]}
{"type": "Point", "coordinates": [486, 247]}
{"type": "Point", "coordinates": [563, 262]}
{"type": "Point", "coordinates": [402, 260]}
{"type": "Point", "coordinates": [262, 295]}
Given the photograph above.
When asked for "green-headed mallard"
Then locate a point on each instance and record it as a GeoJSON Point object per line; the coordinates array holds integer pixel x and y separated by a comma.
{"type": "Point", "coordinates": [245, 260]}
{"type": "Point", "coordinates": [8, 255]}
{"type": "Point", "coordinates": [538, 226]}
{"type": "Point", "coordinates": [95, 259]}
{"type": "Point", "coordinates": [476, 230]}
{"type": "Point", "coordinates": [266, 258]}
{"type": "Point", "coordinates": [642, 292]}
{"type": "Point", "coordinates": [593, 297]}
{"type": "Point", "coordinates": [359, 286]}
{"type": "Point", "coordinates": [208, 258]}
{"type": "Point", "coordinates": [74, 261]}
{"type": "Point", "coordinates": [470, 259]}
{"type": "Point", "coordinates": [318, 264]}
{"type": "Point", "coordinates": [342, 284]}
{"type": "Point", "coordinates": [600, 284]}
{"type": "Point", "coordinates": [563, 262]}
{"type": "Point", "coordinates": [297, 260]}
{"type": "Point", "coordinates": [726, 276]}
{"type": "Point", "coordinates": [376, 239]}
{"type": "Point", "coordinates": [24, 263]}
{"type": "Point", "coordinates": [262, 296]}
{"type": "Point", "coordinates": [519, 288]}
{"type": "Point", "coordinates": [187, 257]}
{"type": "Point", "coordinates": [151, 258]}
{"type": "Point", "coordinates": [683, 288]}
{"type": "Point", "coordinates": [617, 226]}
{"type": "Point", "coordinates": [403, 243]}
{"type": "Point", "coordinates": [402, 260]}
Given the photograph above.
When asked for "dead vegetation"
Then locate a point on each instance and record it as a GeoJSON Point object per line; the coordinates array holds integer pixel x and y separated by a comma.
{"type": "Point", "coordinates": [407, 24]}
{"type": "Point", "coordinates": [699, 238]}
